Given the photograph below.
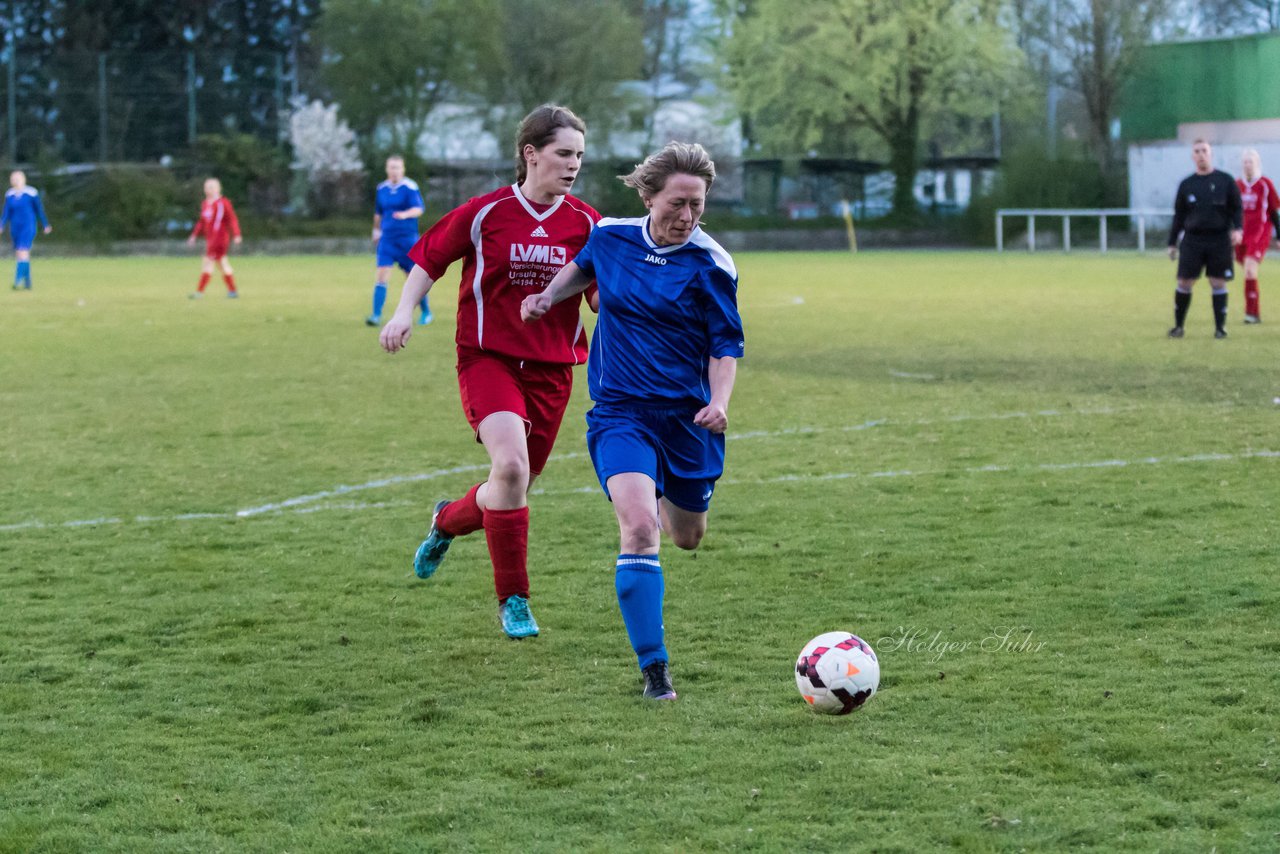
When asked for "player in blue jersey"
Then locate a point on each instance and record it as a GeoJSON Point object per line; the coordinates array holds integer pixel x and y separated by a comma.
{"type": "Point", "coordinates": [22, 209]}
{"type": "Point", "coordinates": [397, 206]}
{"type": "Point", "coordinates": [660, 371]}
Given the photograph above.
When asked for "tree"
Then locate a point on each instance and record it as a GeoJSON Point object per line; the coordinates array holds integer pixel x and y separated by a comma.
{"type": "Point", "coordinates": [1239, 16]}
{"type": "Point", "coordinates": [679, 40]}
{"type": "Point", "coordinates": [391, 62]}
{"type": "Point", "coordinates": [846, 69]}
{"type": "Point", "coordinates": [1102, 40]}
{"type": "Point", "coordinates": [573, 52]}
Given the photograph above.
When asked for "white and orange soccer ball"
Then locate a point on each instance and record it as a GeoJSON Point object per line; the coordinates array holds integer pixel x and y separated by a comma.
{"type": "Point", "coordinates": [837, 672]}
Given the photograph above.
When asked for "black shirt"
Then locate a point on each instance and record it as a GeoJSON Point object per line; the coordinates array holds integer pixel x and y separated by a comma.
{"type": "Point", "coordinates": [1206, 206]}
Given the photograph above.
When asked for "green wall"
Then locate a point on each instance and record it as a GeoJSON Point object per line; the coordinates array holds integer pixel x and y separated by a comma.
{"type": "Point", "coordinates": [1202, 81]}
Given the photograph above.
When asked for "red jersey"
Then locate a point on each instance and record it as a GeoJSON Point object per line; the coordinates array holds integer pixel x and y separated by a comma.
{"type": "Point", "coordinates": [217, 221]}
{"type": "Point", "coordinates": [510, 248]}
{"type": "Point", "coordinates": [1260, 203]}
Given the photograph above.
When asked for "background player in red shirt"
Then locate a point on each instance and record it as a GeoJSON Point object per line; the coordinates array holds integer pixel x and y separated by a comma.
{"type": "Point", "coordinates": [515, 378]}
{"type": "Point", "coordinates": [220, 228]}
{"type": "Point", "coordinates": [1261, 214]}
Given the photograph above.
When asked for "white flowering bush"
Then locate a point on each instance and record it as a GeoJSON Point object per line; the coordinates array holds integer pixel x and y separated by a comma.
{"type": "Point", "coordinates": [323, 144]}
{"type": "Point", "coordinates": [326, 157]}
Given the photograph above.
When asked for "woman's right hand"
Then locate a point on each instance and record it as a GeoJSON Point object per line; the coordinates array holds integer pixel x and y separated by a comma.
{"type": "Point", "coordinates": [395, 335]}
{"type": "Point", "coordinates": [534, 306]}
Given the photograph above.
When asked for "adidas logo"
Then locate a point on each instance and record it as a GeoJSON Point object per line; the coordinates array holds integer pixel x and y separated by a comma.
{"type": "Point", "coordinates": [539, 232]}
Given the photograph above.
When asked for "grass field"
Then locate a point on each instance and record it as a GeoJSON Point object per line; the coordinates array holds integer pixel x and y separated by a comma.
{"type": "Point", "coordinates": [1057, 527]}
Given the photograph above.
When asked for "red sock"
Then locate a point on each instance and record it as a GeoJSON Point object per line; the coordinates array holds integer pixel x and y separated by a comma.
{"type": "Point", "coordinates": [462, 516]}
{"type": "Point", "coordinates": [204, 280]}
{"type": "Point", "coordinates": [231, 282]}
{"type": "Point", "coordinates": [507, 532]}
{"type": "Point", "coordinates": [1251, 297]}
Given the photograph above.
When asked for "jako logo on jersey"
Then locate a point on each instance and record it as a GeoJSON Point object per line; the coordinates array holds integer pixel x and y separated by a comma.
{"type": "Point", "coordinates": [539, 254]}
{"type": "Point", "coordinates": [654, 259]}
{"type": "Point", "coordinates": [539, 232]}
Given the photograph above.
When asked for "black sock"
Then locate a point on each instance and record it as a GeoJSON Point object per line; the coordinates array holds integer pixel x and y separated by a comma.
{"type": "Point", "coordinates": [1181, 302]}
{"type": "Point", "coordinates": [1220, 310]}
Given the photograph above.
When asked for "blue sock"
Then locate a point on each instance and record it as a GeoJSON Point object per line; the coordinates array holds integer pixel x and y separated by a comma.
{"type": "Point", "coordinates": [23, 273]}
{"type": "Point", "coordinates": [422, 304]}
{"type": "Point", "coordinates": [379, 298]}
{"type": "Point", "coordinates": [640, 590]}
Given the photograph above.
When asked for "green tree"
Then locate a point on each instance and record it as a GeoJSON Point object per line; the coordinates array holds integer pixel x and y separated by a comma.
{"type": "Point", "coordinates": [1101, 40]}
{"type": "Point", "coordinates": [573, 52]}
{"type": "Point", "coordinates": [1238, 16]}
{"type": "Point", "coordinates": [849, 71]}
{"type": "Point", "coordinates": [389, 63]}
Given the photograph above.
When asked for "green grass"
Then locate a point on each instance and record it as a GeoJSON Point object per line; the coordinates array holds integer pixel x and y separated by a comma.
{"type": "Point", "coordinates": [927, 451]}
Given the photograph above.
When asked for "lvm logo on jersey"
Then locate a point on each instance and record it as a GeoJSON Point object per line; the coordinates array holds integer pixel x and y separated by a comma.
{"type": "Point", "coordinates": [539, 254]}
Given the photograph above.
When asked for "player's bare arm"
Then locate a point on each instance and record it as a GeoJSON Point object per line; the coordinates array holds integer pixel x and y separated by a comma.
{"type": "Point", "coordinates": [721, 372]}
{"type": "Point", "coordinates": [569, 281]}
{"type": "Point", "coordinates": [395, 335]}
{"type": "Point", "coordinates": [410, 213]}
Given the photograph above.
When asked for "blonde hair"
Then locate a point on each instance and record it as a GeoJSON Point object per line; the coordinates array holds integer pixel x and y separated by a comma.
{"type": "Point", "coordinates": [676, 158]}
{"type": "Point", "coordinates": [1253, 152]}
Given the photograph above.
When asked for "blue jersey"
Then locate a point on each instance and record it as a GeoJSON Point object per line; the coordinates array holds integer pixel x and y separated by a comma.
{"type": "Point", "coordinates": [664, 311]}
{"type": "Point", "coordinates": [391, 198]}
{"type": "Point", "coordinates": [21, 210]}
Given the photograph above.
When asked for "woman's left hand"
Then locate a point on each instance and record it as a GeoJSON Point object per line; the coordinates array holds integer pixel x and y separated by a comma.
{"type": "Point", "coordinates": [712, 417]}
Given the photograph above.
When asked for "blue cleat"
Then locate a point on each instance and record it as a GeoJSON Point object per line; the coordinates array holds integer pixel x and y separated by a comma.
{"type": "Point", "coordinates": [233, 295]}
{"type": "Point", "coordinates": [517, 622]}
{"type": "Point", "coordinates": [427, 559]}
{"type": "Point", "coordinates": [373, 320]}
{"type": "Point", "coordinates": [426, 318]}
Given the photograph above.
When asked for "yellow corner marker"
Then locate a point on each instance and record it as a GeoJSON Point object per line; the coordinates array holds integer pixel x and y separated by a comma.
{"type": "Point", "coordinates": [848, 225]}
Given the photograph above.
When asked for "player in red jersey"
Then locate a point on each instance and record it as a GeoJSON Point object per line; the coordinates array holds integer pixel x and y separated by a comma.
{"type": "Point", "coordinates": [1261, 214]}
{"type": "Point", "coordinates": [220, 228]}
{"type": "Point", "coordinates": [515, 378]}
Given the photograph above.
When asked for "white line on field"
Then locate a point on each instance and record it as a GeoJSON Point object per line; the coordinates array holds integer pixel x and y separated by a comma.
{"type": "Point", "coordinates": [360, 487]}
{"type": "Point", "coordinates": [188, 517]}
{"type": "Point", "coordinates": [1046, 467]}
{"type": "Point", "coordinates": [922, 422]}
{"type": "Point", "coordinates": [300, 503]}
{"type": "Point", "coordinates": [909, 376]}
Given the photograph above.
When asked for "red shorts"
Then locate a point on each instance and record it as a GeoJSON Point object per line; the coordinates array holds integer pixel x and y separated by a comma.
{"type": "Point", "coordinates": [1250, 249]}
{"type": "Point", "coordinates": [216, 250]}
{"type": "Point", "coordinates": [536, 391]}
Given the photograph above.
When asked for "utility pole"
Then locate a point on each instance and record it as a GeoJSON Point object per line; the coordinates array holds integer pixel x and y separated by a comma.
{"type": "Point", "coordinates": [1051, 116]}
{"type": "Point", "coordinates": [12, 99]}
{"type": "Point", "coordinates": [102, 107]}
{"type": "Point", "coordinates": [191, 96]}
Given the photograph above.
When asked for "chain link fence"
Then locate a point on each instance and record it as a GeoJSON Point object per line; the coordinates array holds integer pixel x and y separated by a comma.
{"type": "Point", "coordinates": [80, 107]}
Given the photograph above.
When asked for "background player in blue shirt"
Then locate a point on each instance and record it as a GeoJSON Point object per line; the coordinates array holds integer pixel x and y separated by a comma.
{"type": "Point", "coordinates": [21, 210]}
{"type": "Point", "coordinates": [661, 369]}
{"type": "Point", "coordinates": [397, 206]}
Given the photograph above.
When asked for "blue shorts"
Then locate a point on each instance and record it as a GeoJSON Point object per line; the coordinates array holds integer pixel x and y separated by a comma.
{"type": "Point", "coordinates": [393, 251]}
{"type": "Point", "coordinates": [22, 238]}
{"type": "Point", "coordinates": [684, 460]}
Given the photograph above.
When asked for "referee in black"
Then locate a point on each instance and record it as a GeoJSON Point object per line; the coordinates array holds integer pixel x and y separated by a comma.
{"type": "Point", "coordinates": [1209, 219]}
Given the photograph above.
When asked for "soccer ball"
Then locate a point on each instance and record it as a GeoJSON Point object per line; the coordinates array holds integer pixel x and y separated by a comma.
{"type": "Point", "coordinates": [837, 672]}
